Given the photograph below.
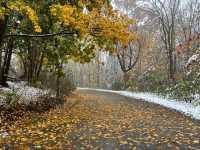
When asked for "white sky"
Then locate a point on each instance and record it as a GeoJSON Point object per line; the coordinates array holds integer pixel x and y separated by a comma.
{"type": "Point", "coordinates": [142, 2]}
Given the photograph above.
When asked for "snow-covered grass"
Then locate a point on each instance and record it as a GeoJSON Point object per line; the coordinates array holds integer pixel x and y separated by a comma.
{"type": "Point", "coordinates": [24, 90]}
{"type": "Point", "coordinates": [27, 93]}
{"type": "Point", "coordinates": [181, 106]}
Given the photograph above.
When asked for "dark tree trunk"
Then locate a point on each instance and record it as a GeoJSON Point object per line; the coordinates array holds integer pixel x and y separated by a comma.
{"type": "Point", "coordinates": [3, 26]}
{"type": "Point", "coordinates": [32, 62]}
{"type": "Point", "coordinates": [6, 64]}
{"type": "Point", "coordinates": [57, 86]}
{"type": "Point", "coordinates": [171, 67]}
{"type": "Point", "coordinates": [58, 77]}
{"type": "Point", "coordinates": [126, 79]}
{"type": "Point", "coordinates": [39, 68]}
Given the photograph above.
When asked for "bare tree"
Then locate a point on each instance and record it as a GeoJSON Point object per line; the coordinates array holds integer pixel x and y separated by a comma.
{"type": "Point", "coordinates": [128, 58]}
{"type": "Point", "coordinates": [189, 25]}
{"type": "Point", "coordinates": [167, 14]}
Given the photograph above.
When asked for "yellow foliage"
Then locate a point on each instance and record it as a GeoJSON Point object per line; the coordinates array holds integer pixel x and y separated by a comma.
{"type": "Point", "coordinates": [101, 22]}
{"type": "Point", "coordinates": [33, 17]}
{"type": "Point", "coordinates": [64, 13]}
{"type": "Point", "coordinates": [21, 7]}
{"type": "Point", "coordinates": [110, 26]}
{"type": "Point", "coordinates": [2, 12]}
{"type": "Point", "coordinates": [45, 60]}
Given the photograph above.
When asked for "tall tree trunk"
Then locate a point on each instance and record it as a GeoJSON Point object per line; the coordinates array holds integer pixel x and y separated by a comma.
{"type": "Point", "coordinates": [6, 64]}
{"type": "Point", "coordinates": [171, 66]}
{"type": "Point", "coordinates": [3, 26]}
{"type": "Point", "coordinates": [57, 86]}
{"type": "Point", "coordinates": [59, 67]}
{"type": "Point", "coordinates": [39, 68]}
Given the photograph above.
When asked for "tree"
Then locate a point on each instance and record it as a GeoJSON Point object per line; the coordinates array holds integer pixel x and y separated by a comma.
{"type": "Point", "coordinates": [128, 58]}
{"type": "Point", "coordinates": [101, 22]}
{"type": "Point", "coordinates": [9, 11]}
{"type": "Point", "coordinates": [189, 28]}
{"type": "Point", "coordinates": [167, 14]}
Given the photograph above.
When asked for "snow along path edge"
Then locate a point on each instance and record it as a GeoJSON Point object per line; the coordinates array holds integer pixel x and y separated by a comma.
{"type": "Point", "coordinates": [187, 108]}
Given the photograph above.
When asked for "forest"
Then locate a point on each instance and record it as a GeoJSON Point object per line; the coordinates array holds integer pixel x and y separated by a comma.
{"type": "Point", "coordinates": [99, 74]}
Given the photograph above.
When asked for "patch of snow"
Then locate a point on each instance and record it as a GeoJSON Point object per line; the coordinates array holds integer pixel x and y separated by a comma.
{"type": "Point", "coordinates": [181, 106]}
{"type": "Point", "coordinates": [85, 10]}
{"type": "Point", "coordinates": [192, 59]}
{"type": "Point", "coordinates": [3, 134]}
{"type": "Point", "coordinates": [196, 99]}
{"type": "Point", "coordinates": [143, 4]}
{"type": "Point", "coordinates": [27, 92]}
{"type": "Point", "coordinates": [143, 21]}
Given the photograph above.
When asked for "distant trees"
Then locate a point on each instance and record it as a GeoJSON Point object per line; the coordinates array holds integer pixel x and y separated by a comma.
{"type": "Point", "coordinates": [189, 28]}
{"type": "Point", "coordinates": [168, 34]}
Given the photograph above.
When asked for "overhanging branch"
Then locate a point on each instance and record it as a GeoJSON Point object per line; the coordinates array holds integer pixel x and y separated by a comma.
{"type": "Point", "coordinates": [39, 35]}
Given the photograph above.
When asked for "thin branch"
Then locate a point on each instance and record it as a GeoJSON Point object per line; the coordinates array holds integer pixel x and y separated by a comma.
{"type": "Point", "coordinates": [38, 35]}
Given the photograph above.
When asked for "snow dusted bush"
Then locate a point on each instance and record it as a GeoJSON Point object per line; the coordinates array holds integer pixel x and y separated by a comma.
{"type": "Point", "coordinates": [27, 93]}
{"type": "Point", "coordinates": [182, 90]}
{"type": "Point", "coordinates": [188, 87]}
{"type": "Point", "coordinates": [21, 97]}
{"type": "Point", "coordinates": [21, 94]}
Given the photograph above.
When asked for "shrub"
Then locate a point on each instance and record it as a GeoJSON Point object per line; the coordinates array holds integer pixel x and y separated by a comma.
{"type": "Point", "coordinates": [10, 99]}
{"type": "Point", "coordinates": [154, 81]}
{"type": "Point", "coordinates": [185, 89]}
{"type": "Point", "coordinates": [48, 81]}
{"type": "Point", "coordinates": [44, 103]}
{"type": "Point", "coordinates": [117, 85]}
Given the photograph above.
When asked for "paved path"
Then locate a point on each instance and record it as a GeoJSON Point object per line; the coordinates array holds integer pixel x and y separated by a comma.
{"type": "Point", "coordinates": [117, 122]}
{"type": "Point", "coordinates": [99, 120]}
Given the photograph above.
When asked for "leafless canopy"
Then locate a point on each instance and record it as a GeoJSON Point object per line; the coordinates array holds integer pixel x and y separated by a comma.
{"type": "Point", "coordinates": [128, 57]}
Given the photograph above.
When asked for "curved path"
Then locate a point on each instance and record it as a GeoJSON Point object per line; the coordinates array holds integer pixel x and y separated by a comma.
{"type": "Point", "coordinates": [93, 120]}
{"type": "Point", "coordinates": [118, 122]}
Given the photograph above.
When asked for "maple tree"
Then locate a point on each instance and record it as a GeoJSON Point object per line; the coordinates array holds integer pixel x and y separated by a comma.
{"type": "Point", "coordinates": [99, 21]}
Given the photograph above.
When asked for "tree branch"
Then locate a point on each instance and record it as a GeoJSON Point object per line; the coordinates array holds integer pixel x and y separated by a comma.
{"type": "Point", "coordinates": [38, 35]}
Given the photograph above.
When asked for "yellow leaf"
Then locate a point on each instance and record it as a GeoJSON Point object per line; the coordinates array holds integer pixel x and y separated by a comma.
{"type": "Point", "coordinates": [196, 141]}
{"type": "Point", "coordinates": [93, 138]}
{"type": "Point", "coordinates": [123, 142]}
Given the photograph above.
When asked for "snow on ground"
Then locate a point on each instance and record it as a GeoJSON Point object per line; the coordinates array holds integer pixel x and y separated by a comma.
{"type": "Point", "coordinates": [192, 59]}
{"type": "Point", "coordinates": [27, 93]}
{"type": "Point", "coordinates": [181, 106]}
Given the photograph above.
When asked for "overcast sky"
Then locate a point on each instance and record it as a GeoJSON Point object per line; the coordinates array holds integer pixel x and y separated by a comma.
{"type": "Point", "coordinates": [143, 2]}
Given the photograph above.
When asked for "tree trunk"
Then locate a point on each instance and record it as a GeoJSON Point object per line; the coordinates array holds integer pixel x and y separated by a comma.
{"type": "Point", "coordinates": [39, 68]}
{"type": "Point", "coordinates": [57, 86]}
{"type": "Point", "coordinates": [3, 26]}
{"type": "Point", "coordinates": [6, 64]}
{"type": "Point", "coordinates": [126, 79]}
{"type": "Point", "coordinates": [32, 59]}
{"type": "Point", "coordinates": [172, 66]}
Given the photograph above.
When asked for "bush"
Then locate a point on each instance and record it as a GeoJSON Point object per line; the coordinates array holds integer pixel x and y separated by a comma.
{"type": "Point", "coordinates": [154, 81]}
{"type": "Point", "coordinates": [44, 103]}
{"type": "Point", "coordinates": [48, 81]}
{"type": "Point", "coordinates": [117, 85]}
{"type": "Point", "coordinates": [14, 108]}
{"type": "Point", "coordinates": [10, 99]}
{"type": "Point", "coordinates": [185, 89]}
